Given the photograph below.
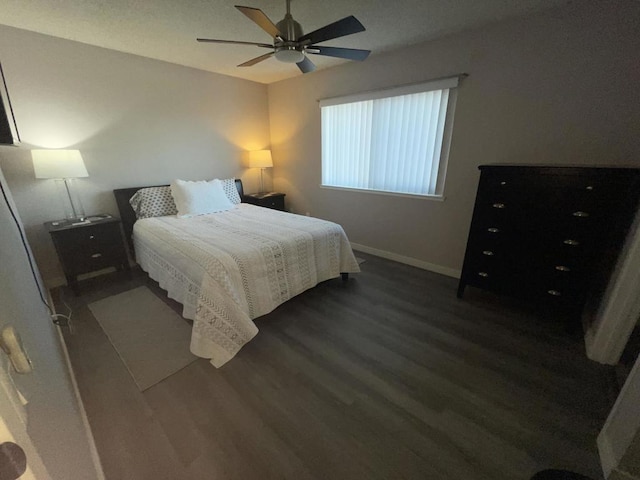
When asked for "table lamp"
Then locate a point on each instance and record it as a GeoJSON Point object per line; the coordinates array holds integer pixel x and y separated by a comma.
{"type": "Point", "coordinates": [62, 165]}
{"type": "Point", "coordinates": [260, 159]}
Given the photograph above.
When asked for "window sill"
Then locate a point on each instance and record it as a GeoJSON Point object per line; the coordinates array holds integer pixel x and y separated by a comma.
{"type": "Point", "coordinates": [437, 198]}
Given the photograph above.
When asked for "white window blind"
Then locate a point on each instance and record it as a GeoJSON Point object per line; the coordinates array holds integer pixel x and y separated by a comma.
{"type": "Point", "coordinates": [391, 140]}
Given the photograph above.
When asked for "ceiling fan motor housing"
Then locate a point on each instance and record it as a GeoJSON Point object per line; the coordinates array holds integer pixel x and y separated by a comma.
{"type": "Point", "coordinates": [287, 49]}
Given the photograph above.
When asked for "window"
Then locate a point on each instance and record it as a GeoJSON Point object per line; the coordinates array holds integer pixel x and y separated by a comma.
{"type": "Point", "coordinates": [394, 140]}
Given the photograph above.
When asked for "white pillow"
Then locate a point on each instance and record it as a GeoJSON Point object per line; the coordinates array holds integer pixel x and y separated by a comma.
{"type": "Point", "coordinates": [199, 198]}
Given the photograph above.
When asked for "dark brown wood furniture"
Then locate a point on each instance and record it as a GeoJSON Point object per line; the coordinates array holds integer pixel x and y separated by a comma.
{"type": "Point", "coordinates": [549, 234]}
{"type": "Point", "coordinates": [88, 247]}
{"type": "Point", "coordinates": [273, 200]}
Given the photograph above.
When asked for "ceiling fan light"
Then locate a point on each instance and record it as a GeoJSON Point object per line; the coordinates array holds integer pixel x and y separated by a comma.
{"type": "Point", "coordinates": [289, 55]}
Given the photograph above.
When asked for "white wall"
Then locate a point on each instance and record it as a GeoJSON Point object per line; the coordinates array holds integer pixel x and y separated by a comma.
{"type": "Point", "coordinates": [136, 121]}
{"type": "Point", "coordinates": [558, 87]}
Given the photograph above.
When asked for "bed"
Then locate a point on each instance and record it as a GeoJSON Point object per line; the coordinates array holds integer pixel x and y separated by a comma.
{"type": "Point", "coordinates": [230, 267]}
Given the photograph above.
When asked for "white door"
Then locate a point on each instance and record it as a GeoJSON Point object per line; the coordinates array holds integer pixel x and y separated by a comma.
{"type": "Point", "coordinates": [39, 411]}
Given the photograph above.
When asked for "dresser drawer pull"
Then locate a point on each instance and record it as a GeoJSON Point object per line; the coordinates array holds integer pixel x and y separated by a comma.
{"type": "Point", "coordinates": [589, 187]}
{"type": "Point", "coordinates": [555, 293]}
{"type": "Point", "coordinates": [493, 230]}
{"type": "Point", "coordinates": [487, 252]}
{"type": "Point", "coordinates": [573, 243]}
{"type": "Point", "coordinates": [503, 183]}
{"type": "Point", "coordinates": [562, 268]}
{"type": "Point", "coordinates": [91, 237]}
{"type": "Point", "coordinates": [483, 274]}
{"type": "Point", "coordinates": [498, 205]}
{"type": "Point", "coordinates": [580, 214]}
{"type": "Point", "coordinates": [96, 255]}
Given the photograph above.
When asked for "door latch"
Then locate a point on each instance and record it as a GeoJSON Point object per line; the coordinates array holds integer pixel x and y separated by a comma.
{"type": "Point", "coordinates": [11, 344]}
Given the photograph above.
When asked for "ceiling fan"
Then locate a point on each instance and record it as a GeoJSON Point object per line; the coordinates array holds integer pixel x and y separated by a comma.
{"type": "Point", "coordinates": [291, 46]}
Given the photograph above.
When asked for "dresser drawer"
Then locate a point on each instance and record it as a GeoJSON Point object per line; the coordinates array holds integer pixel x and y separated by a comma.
{"type": "Point", "coordinates": [487, 278]}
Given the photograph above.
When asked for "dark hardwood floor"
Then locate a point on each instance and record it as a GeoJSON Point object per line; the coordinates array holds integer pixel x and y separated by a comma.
{"type": "Point", "coordinates": [386, 376]}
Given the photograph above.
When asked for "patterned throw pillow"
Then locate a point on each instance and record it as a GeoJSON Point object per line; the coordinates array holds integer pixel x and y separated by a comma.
{"type": "Point", "coordinates": [229, 187]}
{"type": "Point", "coordinates": [153, 202]}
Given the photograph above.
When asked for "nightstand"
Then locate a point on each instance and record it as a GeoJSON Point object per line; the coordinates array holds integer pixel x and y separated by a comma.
{"type": "Point", "coordinates": [87, 247]}
{"type": "Point", "coordinates": [273, 200]}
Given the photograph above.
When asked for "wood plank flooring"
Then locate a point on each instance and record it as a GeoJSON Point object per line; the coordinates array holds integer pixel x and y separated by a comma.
{"type": "Point", "coordinates": [386, 376]}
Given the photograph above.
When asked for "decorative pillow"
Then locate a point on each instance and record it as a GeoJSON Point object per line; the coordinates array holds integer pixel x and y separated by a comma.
{"type": "Point", "coordinates": [199, 198]}
{"type": "Point", "coordinates": [229, 186]}
{"type": "Point", "coordinates": [153, 202]}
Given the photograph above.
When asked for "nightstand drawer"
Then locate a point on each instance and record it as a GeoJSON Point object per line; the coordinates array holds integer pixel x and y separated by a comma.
{"type": "Point", "coordinates": [276, 203]}
{"type": "Point", "coordinates": [272, 200]}
{"type": "Point", "coordinates": [88, 239]}
{"type": "Point", "coordinates": [84, 262]}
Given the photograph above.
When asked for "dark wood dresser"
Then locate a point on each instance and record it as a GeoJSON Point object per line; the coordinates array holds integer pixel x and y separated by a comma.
{"type": "Point", "coordinates": [549, 234]}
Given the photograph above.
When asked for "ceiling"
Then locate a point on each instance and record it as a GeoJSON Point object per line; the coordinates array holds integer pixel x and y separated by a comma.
{"type": "Point", "coordinates": [167, 29]}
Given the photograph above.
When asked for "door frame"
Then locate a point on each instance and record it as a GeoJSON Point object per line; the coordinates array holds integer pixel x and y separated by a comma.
{"type": "Point", "coordinates": [619, 311]}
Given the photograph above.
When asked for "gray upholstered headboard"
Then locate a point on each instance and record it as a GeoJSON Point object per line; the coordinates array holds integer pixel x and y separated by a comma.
{"type": "Point", "coordinates": [128, 216]}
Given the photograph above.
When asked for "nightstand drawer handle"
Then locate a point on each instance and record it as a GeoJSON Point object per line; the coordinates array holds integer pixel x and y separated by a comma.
{"type": "Point", "coordinates": [483, 274]}
{"type": "Point", "coordinates": [580, 214]}
{"type": "Point", "coordinates": [493, 230]}
{"type": "Point", "coordinates": [573, 243]}
{"type": "Point", "coordinates": [589, 187]}
{"type": "Point", "coordinates": [91, 237]}
{"type": "Point", "coordinates": [555, 293]}
{"type": "Point", "coordinates": [96, 255]}
{"type": "Point", "coordinates": [503, 183]}
{"type": "Point", "coordinates": [487, 252]}
{"type": "Point", "coordinates": [562, 268]}
{"type": "Point", "coordinates": [498, 205]}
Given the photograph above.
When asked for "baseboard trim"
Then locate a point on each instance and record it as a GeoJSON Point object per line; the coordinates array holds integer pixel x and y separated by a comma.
{"type": "Point", "coordinates": [414, 262]}
{"type": "Point", "coordinates": [91, 443]}
{"type": "Point", "coordinates": [607, 458]}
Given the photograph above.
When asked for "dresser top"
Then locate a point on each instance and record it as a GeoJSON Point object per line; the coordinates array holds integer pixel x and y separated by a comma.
{"type": "Point", "coordinates": [550, 166]}
{"type": "Point", "coordinates": [618, 172]}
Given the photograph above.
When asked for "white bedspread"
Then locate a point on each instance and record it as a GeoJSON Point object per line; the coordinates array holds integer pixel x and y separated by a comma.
{"type": "Point", "coordinates": [228, 268]}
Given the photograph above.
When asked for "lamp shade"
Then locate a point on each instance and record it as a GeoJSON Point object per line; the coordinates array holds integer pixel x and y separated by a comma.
{"type": "Point", "coordinates": [58, 164]}
{"type": "Point", "coordinates": [260, 159]}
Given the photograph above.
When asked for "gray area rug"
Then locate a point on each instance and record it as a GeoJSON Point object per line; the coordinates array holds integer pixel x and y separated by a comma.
{"type": "Point", "coordinates": [151, 339]}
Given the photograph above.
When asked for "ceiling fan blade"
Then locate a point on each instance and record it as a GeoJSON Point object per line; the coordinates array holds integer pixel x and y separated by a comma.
{"type": "Point", "coordinates": [253, 61]}
{"type": "Point", "coordinates": [261, 19]}
{"type": "Point", "coordinates": [306, 65]}
{"type": "Point", "coordinates": [349, 53]}
{"type": "Point", "coordinates": [212, 40]}
{"type": "Point", "coordinates": [346, 26]}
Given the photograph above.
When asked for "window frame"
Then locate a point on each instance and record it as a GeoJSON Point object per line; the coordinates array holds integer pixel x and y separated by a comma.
{"type": "Point", "coordinates": [450, 83]}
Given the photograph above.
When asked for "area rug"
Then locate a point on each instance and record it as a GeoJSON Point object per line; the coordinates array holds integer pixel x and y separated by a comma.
{"type": "Point", "coordinates": [151, 339]}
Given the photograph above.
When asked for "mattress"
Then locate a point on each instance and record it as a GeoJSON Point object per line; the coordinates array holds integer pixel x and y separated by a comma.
{"type": "Point", "coordinates": [230, 267]}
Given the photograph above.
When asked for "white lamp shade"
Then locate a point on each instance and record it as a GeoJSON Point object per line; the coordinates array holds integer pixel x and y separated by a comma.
{"type": "Point", "coordinates": [58, 164]}
{"type": "Point", "coordinates": [260, 159]}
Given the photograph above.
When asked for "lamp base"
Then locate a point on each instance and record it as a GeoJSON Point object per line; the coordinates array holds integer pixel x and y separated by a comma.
{"type": "Point", "coordinates": [77, 210]}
